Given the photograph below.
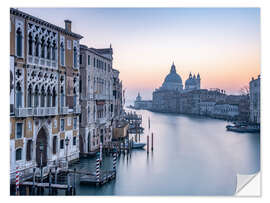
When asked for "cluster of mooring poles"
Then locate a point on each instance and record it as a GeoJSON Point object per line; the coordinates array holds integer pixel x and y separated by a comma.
{"type": "Point", "coordinates": [152, 138]}
{"type": "Point", "coordinates": [48, 185]}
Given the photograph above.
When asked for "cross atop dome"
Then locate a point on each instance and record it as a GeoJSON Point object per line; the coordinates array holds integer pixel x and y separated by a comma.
{"type": "Point", "coordinates": [173, 70]}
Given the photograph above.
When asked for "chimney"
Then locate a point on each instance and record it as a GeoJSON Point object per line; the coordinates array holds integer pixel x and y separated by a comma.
{"type": "Point", "coordinates": [68, 25]}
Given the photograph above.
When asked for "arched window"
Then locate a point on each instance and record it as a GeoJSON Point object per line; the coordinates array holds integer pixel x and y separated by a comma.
{"type": "Point", "coordinates": [54, 51]}
{"type": "Point", "coordinates": [30, 44]}
{"type": "Point", "coordinates": [42, 48]}
{"type": "Point", "coordinates": [42, 100]}
{"type": "Point", "coordinates": [48, 49]}
{"type": "Point", "coordinates": [19, 42]}
{"type": "Point", "coordinates": [75, 57]}
{"type": "Point", "coordinates": [19, 154]}
{"type": "Point", "coordinates": [18, 95]}
{"type": "Point", "coordinates": [49, 97]}
{"type": "Point", "coordinates": [36, 97]}
{"type": "Point", "coordinates": [29, 96]}
{"type": "Point", "coordinates": [36, 46]}
{"type": "Point", "coordinates": [54, 97]}
{"type": "Point", "coordinates": [29, 150]}
{"type": "Point", "coordinates": [62, 54]}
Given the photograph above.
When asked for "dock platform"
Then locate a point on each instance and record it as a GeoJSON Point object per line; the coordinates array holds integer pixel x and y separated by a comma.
{"type": "Point", "coordinates": [92, 179]}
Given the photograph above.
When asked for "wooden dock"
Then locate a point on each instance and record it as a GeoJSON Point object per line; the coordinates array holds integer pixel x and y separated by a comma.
{"type": "Point", "coordinates": [92, 179]}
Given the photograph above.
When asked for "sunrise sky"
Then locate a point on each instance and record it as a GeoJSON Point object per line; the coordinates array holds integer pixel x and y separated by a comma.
{"type": "Point", "coordinates": [222, 44]}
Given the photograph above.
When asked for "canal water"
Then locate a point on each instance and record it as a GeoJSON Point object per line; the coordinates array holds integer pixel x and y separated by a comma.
{"type": "Point", "coordinates": [192, 156]}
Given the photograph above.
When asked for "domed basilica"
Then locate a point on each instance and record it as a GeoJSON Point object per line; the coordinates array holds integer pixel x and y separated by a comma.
{"type": "Point", "coordinates": [173, 81]}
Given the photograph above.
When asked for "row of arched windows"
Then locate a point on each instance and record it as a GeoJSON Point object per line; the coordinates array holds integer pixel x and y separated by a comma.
{"type": "Point", "coordinates": [42, 98]}
{"type": "Point", "coordinates": [48, 47]}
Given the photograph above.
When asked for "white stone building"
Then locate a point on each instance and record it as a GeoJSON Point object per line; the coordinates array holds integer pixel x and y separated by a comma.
{"type": "Point", "coordinates": [254, 90]}
{"type": "Point", "coordinates": [96, 97]}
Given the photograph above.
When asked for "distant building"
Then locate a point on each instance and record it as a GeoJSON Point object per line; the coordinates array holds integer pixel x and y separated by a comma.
{"type": "Point", "coordinates": [225, 110]}
{"type": "Point", "coordinates": [142, 104]}
{"type": "Point", "coordinates": [166, 97]}
{"type": "Point", "coordinates": [254, 89]}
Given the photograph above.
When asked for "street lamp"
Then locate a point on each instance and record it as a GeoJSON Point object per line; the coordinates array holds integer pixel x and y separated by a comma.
{"type": "Point", "coordinates": [41, 148]}
{"type": "Point", "coordinates": [67, 142]}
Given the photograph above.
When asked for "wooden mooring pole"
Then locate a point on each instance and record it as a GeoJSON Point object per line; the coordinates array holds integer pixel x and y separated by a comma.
{"type": "Point", "coordinates": [152, 141]}
{"type": "Point", "coordinates": [147, 144]}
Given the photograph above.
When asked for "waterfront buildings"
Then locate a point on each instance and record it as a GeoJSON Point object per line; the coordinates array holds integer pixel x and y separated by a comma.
{"type": "Point", "coordinates": [142, 104]}
{"type": "Point", "coordinates": [254, 90]}
{"type": "Point", "coordinates": [44, 92]}
{"type": "Point", "coordinates": [171, 97]}
{"type": "Point", "coordinates": [101, 97]}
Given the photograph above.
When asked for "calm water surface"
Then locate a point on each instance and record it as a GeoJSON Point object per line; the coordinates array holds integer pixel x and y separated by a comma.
{"type": "Point", "coordinates": [192, 156]}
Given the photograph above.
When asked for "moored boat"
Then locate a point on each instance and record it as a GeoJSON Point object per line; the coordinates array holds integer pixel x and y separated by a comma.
{"type": "Point", "coordinates": [244, 128]}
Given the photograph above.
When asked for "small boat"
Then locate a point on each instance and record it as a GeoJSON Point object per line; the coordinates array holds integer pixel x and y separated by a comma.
{"type": "Point", "coordinates": [137, 145]}
{"type": "Point", "coordinates": [244, 128]}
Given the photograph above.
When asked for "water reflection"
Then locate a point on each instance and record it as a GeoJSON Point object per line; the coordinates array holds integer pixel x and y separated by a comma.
{"type": "Point", "coordinates": [192, 156]}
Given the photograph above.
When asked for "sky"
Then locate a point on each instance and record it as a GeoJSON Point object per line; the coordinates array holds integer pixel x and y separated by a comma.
{"type": "Point", "coordinates": [222, 44]}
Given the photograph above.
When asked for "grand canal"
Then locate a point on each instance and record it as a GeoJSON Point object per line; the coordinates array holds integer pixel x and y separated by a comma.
{"type": "Point", "coordinates": [192, 156]}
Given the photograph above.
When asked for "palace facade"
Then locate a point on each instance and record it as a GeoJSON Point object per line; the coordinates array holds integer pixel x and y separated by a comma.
{"type": "Point", "coordinates": [44, 92]}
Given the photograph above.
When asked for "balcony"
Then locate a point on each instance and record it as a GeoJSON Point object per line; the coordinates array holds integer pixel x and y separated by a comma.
{"type": "Point", "coordinates": [63, 110]}
{"type": "Point", "coordinates": [77, 109]}
{"type": "Point", "coordinates": [36, 111]}
{"type": "Point", "coordinates": [101, 97]}
{"type": "Point", "coordinates": [101, 121]}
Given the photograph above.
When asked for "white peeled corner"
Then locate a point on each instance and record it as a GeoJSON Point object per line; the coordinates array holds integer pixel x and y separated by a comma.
{"type": "Point", "coordinates": [248, 185]}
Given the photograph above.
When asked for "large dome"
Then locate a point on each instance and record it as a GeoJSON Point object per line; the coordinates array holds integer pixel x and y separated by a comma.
{"type": "Point", "coordinates": [172, 81]}
{"type": "Point", "coordinates": [173, 77]}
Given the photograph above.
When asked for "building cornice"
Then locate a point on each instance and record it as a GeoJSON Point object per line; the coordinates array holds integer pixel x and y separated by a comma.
{"type": "Point", "coordinates": [43, 22]}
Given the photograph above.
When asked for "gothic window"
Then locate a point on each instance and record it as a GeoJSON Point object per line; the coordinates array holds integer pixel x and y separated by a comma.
{"type": "Point", "coordinates": [19, 154]}
{"type": "Point", "coordinates": [48, 97]}
{"type": "Point", "coordinates": [36, 46]}
{"type": "Point", "coordinates": [29, 96]}
{"type": "Point", "coordinates": [18, 95]}
{"type": "Point", "coordinates": [62, 54]}
{"type": "Point", "coordinates": [36, 97]}
{"type": "Point", "coordinates": [42, 48]}
{"type": "Point", "coordinates": [75, 57]}
{"type": "Point", "coordinates": [54, 51]}
{"type": "Point", "coordinates": [54, 144]}
{"type": "Point", "coordinates": [48, 50]}
{"type": "Point", "coordinates": [19, 42]}
{"type": "Point", "coordinates": [54, 98]}
{"type": "Point", "coordinates": [42, 97]}
{"type": "Point", "coordinates": [30, 44]}
{"type": "Point", "coordinates": [29, 150]}
{"type": "Point", "coordinates": [88, 60]}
